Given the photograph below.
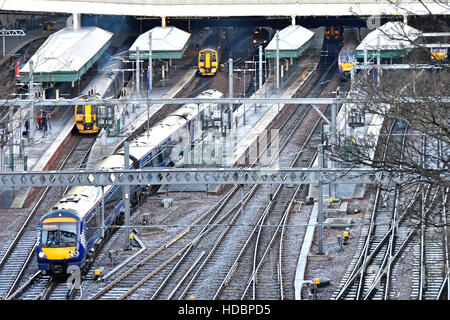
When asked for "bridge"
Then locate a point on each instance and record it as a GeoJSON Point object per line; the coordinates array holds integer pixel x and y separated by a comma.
{"type": "Point", "coordinates": [230, 8]}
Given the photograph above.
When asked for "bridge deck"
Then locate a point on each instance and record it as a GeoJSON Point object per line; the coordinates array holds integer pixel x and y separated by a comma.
{"type": "Point", "coordinates": [226, 8]}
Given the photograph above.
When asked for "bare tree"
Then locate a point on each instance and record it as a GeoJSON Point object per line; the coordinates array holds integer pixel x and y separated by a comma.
{"type": "Point", "coordinates": [413, 104]}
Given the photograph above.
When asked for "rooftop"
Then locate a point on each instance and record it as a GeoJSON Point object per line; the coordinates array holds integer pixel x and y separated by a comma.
{"type": "Point", "coordinates": [292, 42]}
{"type": "Point", "coordinates": [167, 42]}
{"type": "Point", "coordinates": [67, 54]}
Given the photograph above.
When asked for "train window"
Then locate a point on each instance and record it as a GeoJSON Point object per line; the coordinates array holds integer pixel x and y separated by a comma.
{"type": "Point", "coordinates": [80, 110]}
{"type": "Point", "coordinates": [91, 226]}
{"type": "Point", "coordinates": [214, 58]}
{"type": "Point", "coordinates": [167, 151]}
{"type": "Point", "coordinates": [57, 235]}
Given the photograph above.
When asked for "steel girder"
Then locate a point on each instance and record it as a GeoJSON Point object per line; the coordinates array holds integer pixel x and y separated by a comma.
{"type": "Point", "coordinates": [199, 176]}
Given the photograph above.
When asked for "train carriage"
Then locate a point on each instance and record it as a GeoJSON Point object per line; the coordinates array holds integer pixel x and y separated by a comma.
{"type": "Point", "coordinates": [106, 84]}
{"type": "Point", "coordinates": [262, 36]}
{"type": "Point", "coordinates": [210, 54]}
{"type": "Point", "coordinates": [69, 233]}
{"type": "Point", "coordinates": [439, 55]}
{"type": "Point", "coordinates": [347, 55]}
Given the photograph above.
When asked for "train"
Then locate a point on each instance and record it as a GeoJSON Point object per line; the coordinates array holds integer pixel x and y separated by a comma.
{"type": "Point", "coordinates": [108, 83]}
{"type": "Point", "coordinates": [439, 55]}
{"type": "Point", "coordinates": [210, 53]}
{"type": "Point", "coordinates": [347, 54]}
{"type": "Point", "coordinates": [334, 33]}
{"type": "Point", "coordinates": [69, 234]}
{"type": "Point", "coordinates": [261, 36]}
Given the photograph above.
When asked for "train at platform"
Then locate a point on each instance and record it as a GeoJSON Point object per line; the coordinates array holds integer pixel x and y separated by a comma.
{"type": "Point", "coordinates": [439, 56]}
{"type": "Point", "coordinates": [347, 54]}
{"type": "Point", "coordinates": [210, 54]}
{"type": "Point", "coordinates": [71, 232]}
{"type": "Point", "coordinates": [108, 83]}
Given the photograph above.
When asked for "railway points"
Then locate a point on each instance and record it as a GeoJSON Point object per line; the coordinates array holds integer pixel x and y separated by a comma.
{"type": "Point", "coordinates": [257, 198]}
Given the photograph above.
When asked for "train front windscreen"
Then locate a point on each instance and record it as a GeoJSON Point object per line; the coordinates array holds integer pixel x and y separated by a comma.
{"type": "Point", "coordinates": [58, 235]}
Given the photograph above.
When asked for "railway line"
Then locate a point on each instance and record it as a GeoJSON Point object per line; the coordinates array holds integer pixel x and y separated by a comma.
{"type": "Point", "coordinates": [187, 250]}
{"type": "Point", "coordinates": [16, 256]}
{"type": "Point", "coordinates": [389, 231]}
{"type": "Point", "coordinates": [261, 241]}
{"type": "Point", "coordinates": [241, 247]}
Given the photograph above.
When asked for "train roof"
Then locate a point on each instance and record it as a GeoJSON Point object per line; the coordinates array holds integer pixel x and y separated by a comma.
{"type": "Point", "coordinates": [166, 127]}
{"type": "Point", "coordinates": [293, 41]}
{"type": "Point", "coordinates": [394, 35]}
{"type": "Point", "coordinates": [80, 200]}
{"type": "Point", "coordinates": [102, 81]}
{"type": "Point", "coordinates": [67, 54]}
{"type": "Point", "coordinates": [167, 42]}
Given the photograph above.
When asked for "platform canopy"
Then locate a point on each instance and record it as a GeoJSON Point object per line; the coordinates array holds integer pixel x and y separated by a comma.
{"type": "Point", "coordinates": [67, 54]}
{"type": "Point", "coordinates": [293, 41]}
{"type": "Point", "coordinates": [167, 43]}
{"type": "Point", "coordinates": [394, 38]}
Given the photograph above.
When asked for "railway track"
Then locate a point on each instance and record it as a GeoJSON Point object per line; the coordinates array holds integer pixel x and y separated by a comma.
{"type": "Point", "coordinates": [376, 243]}
{"type": "Point", "coordinates": [265, 257]}
{"type": "Point", "coordinates": [430, 272]}
{"type": "Point", "coordinates": [389, 231]}
{"type": "Point", "coordinates": [173, 274]}
{"type": "Point", "coordinates": [17, 255]}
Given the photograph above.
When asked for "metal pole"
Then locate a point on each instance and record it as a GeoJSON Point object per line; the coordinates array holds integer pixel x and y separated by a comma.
{"type": "Point", "coordinates": [11, 134]}
{"type": "Point", "coordinates": [150, 65]}
{"type": "Point", "coordinates": [103, 212]}
{"type": "Point", "coordinates": [320, 199]}
{"type": "Point", "coordinates": [277, 37]}
{"type": "Point", "coordinates": [138, 71]}
{"type": "Point", "coordinates": [365, 54]}
{"type": "Point", "coordinates": [333, 145]}
{"type": "Point", "coordinates": [352, 75]}
{"type": "Point", "coordinates": [2, 156]}
{"type": "Point", "coordinates": [260, 67]}
{"type": "Point", "coordinates": [31, 91]}
{"type": "Point", "coordinates": [244, 83]}
{"type": "Point", "coordinates": [378, 60]}
{"type": "Point", "coordinates": [126, 199]}
{"type": "Point", "coordinates": [242, 199]}
{"type": "Point", "coordinates": [230, 85]}
{"type": "Point", "coordinates": [150, 76]}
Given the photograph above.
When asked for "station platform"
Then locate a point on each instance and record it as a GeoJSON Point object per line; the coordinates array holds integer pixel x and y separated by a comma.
{"type": "Point", "coordinates": [250, 124]}
{"type": "Point", "coordinates": [134, 119]}
{"type": "Point", "coordinates": [13, 45]}
{"type": "Point", "coordinates": [45, 147]}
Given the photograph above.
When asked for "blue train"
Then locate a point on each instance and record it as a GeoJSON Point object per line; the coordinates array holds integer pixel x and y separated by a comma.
{"type": "Point", "coordinates": [69, 233]}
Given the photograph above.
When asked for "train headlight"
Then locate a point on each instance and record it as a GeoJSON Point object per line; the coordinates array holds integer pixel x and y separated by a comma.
{"type": "Point", "coordinates": [74, 254]}
{"type": "Point", "coordinates": [42, 255]}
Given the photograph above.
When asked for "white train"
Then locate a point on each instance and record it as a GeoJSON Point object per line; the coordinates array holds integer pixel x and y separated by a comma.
{"type": "Point", "coordinates": [69, 233]}
{"type": "Point", "coordinates": [347, 55]}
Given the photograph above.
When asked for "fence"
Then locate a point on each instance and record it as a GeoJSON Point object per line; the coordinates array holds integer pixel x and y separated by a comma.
{"type": "Point", "coordinates": [18, 162]}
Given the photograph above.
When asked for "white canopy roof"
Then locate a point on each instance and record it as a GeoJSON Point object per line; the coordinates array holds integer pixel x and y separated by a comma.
{"type": "Point", "coordinates": [291, 38]}
{"type": "Point", "coordinates": [68, 50]}
{"type": "Point", "coordinates": [393, 36]}
{"type": "Point", "coordinates": [163, 39]}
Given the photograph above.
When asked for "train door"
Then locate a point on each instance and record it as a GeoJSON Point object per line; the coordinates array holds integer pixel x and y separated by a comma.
{"type": "Point", "coordinates": [208, 60]}
{"type": "Point", "coordinates": [89, 117]}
